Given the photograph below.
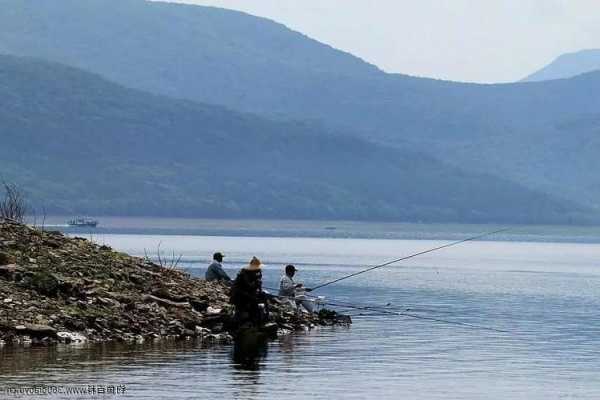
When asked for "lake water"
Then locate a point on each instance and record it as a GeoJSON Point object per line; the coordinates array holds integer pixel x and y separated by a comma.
{"type": "Point", "coordinates": [545, 293]}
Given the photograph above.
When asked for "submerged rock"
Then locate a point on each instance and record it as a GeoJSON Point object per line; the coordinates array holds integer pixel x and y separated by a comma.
{"type": "Point", "coordinates": [71, 337]}
{"type": "Point", "coordinates": [35, 330]}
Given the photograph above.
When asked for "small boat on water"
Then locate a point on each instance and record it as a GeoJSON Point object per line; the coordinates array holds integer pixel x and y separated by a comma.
{"type": "Point", "coordinates": [83, 222]}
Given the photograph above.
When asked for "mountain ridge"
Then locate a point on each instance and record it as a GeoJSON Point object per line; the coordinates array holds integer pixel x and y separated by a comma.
{"type": "Point", "coordinates": [567, 66]}
{"type": "Point", "coordinates": [510, 131]}
{"type": "Point", "coordinates": [81, 144]}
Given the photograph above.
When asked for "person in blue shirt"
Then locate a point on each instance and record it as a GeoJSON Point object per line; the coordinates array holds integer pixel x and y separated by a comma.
{"type": "Point", "coordinates": [215, 271]}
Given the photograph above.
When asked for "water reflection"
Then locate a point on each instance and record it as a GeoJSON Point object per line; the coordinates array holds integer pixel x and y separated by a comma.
{"type": "Point", "coordinates": [249, 352]}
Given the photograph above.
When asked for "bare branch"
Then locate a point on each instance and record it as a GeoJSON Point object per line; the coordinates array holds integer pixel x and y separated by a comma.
{"type": "Point", "coordinates": [13, 206]}
{"type": "Point", "coordinates": [44, 218]}
{"type": "Point", "coordinates": [160, 261]}
{"type": "Point", "coordinates": [168, 262]}
{"type": "Point", "coordinates": [177, 262]}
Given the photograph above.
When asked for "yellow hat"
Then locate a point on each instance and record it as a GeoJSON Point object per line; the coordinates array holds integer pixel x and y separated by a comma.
{"type": "Point", "coordinates": [254, 264]}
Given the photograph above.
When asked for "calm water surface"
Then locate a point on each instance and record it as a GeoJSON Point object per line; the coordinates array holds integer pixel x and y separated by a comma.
{"type": "Point", "coordinates": [546, 294]}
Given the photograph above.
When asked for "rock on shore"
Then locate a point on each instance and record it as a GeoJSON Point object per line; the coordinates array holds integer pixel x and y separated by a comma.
{"type": "Point", "coordinates": [59, 289]}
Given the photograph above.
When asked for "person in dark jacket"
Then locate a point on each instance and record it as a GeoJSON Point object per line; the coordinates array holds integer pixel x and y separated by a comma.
{"type": "Point", "coordinates": [247, 295]}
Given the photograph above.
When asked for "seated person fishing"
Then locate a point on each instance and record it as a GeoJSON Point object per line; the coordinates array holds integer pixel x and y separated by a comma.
{"type": "Point", "coordinates": [215, 271]}
{"type": "Point", "coordinates": [294, 291]}
{"type": "Point", "coordinates": [248, 297]}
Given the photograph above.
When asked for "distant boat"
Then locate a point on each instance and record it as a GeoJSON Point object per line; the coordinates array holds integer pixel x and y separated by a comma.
{"type": "Point", "coordinates": [330, 228]}
{"type": "Point", "coordinates": [79, 221]}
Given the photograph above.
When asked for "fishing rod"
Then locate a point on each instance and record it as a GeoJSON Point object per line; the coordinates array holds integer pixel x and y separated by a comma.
{"type": "Point", "coordinates": [410, 315]}
{"type": "Point", "coordinates": [409, 257]}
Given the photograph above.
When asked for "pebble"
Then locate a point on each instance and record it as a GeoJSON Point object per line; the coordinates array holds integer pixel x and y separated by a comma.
{"type": "Point", "coordinates": [223, 338]}
{"type": "Point", "coordinates": [283, 332]}
{"type": "Point", "coordinates": [201, 331]}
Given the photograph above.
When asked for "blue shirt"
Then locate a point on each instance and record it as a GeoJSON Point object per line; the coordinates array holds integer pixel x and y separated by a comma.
{"type": "Point", "coordinates": [215, 272]}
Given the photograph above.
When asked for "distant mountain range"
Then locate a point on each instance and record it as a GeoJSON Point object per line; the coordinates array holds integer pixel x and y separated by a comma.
{"type": "Point", "coordinates": [78, 143]}
{"type": "Point", "coordinates": [541, 136]}
{"type": "Point", "coordinates": [568, 65]}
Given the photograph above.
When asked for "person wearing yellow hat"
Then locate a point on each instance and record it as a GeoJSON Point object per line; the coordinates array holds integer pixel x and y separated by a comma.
{"type": "Point", "coordinates": [254, 265]}
{"type": "Point", "coordinates": [247, 295]}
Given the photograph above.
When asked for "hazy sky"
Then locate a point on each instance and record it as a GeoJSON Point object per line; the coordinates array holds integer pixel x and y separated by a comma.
{"type": "Point", "coordinates": [467, 40]}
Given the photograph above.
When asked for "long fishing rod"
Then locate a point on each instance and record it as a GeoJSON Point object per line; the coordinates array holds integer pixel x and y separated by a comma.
{"type": "Point", "coordinates": [445, 321]}
{"type": "Point", "coordinates": [410, 256]}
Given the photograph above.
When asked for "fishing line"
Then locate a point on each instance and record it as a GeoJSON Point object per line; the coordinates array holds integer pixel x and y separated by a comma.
{"type": "Point", "coordinates": [376, 311]}
{"type": "Point", "coordinates": [410, 315]}
{"type": "Point", "coordinates": [384, 308]}
{"type": "Point", "coordinates": [410, 256]}
{"type": "Point", "coordinates": [371, 307]}
{"type": "Point", "coordinates": [391, 307]}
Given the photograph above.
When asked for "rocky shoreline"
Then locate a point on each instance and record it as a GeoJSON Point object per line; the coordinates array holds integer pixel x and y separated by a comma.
{"type": "Point", "coordinates": [57, 289]}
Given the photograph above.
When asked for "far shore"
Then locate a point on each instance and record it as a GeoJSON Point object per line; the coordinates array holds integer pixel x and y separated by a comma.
{"type": "Point", "coordinates": [321, 228]}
